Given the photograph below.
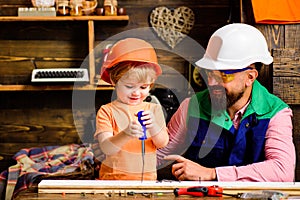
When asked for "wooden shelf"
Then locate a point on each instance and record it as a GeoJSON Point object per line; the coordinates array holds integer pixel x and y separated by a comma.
{"type": "Point", "coordinates": [91, 44]}
{"type": "Point", "coordinates": [66, 18]}
{"type": "Point", "coordinates": [52, 87]}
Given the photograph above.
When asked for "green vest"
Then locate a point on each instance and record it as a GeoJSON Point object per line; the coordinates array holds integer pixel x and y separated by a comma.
{"type": "Point", "coordinates": [213, 138]}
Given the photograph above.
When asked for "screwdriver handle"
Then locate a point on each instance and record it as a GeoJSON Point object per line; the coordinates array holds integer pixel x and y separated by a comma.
{"type": "Point", "coordinates": [193, 191]}
{"type": "Point", "coordinates": [200, 191]}
{"type": "Point", "coordinates": [139, 115]}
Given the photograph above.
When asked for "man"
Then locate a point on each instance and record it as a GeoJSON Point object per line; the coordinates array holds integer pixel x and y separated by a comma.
{"type": "Point", "coordinates": [235, 130]}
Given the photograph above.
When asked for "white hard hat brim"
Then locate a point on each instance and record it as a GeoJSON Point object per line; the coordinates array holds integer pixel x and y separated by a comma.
{"type": "Point", "coordinates": [211, 64]}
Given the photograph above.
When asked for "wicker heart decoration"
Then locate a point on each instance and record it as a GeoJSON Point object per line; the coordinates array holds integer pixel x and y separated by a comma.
{"type": "Point", "coordinates": [172, 25]}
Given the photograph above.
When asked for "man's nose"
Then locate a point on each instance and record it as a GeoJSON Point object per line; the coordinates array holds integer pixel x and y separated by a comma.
{"type": "Point", "coordinates": [211, 81]}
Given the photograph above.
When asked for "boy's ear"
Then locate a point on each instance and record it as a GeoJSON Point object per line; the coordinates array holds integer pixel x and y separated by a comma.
{"type": "Point", "coordinates": [151, 85]}
{"type": "Point", "coordinates": [112, 82]}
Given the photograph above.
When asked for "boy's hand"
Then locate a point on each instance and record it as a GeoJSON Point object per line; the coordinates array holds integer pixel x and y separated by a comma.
{"type": "Point", "coordinates": [149, 122]}
{"type": "Point", "coordinates": [134, 129]}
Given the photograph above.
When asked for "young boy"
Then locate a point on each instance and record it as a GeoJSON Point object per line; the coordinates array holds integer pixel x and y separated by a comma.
{"type": "Point", "coordinates": [131, 66]}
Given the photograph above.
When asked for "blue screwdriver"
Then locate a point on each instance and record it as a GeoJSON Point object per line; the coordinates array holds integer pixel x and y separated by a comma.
{"type": "Point", "coordinates": [143, 138]}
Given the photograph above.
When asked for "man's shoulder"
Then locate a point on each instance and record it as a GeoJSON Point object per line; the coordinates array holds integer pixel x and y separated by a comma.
{"type": "Point", "coordinates": [265, 102]}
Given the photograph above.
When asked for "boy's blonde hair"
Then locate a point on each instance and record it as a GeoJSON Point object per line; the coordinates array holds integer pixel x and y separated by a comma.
{"type": "Point", "coordinates": [140, 71]}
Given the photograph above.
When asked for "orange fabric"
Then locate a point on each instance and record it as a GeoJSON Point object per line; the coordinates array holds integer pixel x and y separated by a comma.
{"type": "Point", "coordinates": [127, 163]}
{"type": "Point", "coordinates": [276, 11]}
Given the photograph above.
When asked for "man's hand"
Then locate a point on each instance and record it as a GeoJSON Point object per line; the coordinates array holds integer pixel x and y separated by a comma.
{"type": "Point", "coordinates": [186, 169]}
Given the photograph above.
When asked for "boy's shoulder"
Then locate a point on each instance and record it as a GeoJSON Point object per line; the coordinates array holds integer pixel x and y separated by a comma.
{"type": "Point", "coordinates": [151, 104]}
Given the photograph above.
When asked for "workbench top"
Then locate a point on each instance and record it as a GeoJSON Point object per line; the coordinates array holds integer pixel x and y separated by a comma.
{"type": "Point", "coordinates": [117, 190]}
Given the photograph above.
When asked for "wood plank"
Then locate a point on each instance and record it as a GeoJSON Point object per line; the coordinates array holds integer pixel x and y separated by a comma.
{"type": "Point", "coordinates": [19, 57]}
{"type": "Point", "coordinates": [48, 87]}
{"type": "Point", "coordinates": [42, 50]}
{"type": "Point", "coordinates": [103, 186]}
{"type": "Point", "coordinates": [275, 37]}
{"type": "Point", "coordinates": [287, 88]}
{"type": "Point", "coordinates": [274, 34]}
{"type": "Point", "coordinates": [296, 137]}
{"type": "Point", "coordinates": [38, 134]}
{"type": "Point", "coordinates": [65, 18]}
{"type": "Point", "coordinates": [18, 2]}
{"type": "Point", "coordinates": [175, 3]}
{"type": "Point", "coordinates": [116, 196]}
{"type": "Point", "coordinates": [296, 124]}
{"type": "Point", "coordinates": [286, 62]}
{"type": "Point", "coordinates": [292, 35]}
{"type": "Point", "coordinates": [286, 72]}
{"type": "Point", "coordinates": [44, 30]}
{"type": "Point", "coordinates": [91, 41]}
{"type": "Point", "coordinates": [57, 123]}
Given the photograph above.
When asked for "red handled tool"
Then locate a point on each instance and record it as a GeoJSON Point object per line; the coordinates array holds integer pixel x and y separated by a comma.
{"type": "Point", "coordinates": [202, 191]}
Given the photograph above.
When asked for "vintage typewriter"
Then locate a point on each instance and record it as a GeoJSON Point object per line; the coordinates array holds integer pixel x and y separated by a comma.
{"type": "Point", "coordinates": [60, 75]}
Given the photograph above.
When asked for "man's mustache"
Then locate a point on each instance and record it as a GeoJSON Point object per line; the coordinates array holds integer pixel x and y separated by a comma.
{"type": "Point", "coordinates": [216, 87]}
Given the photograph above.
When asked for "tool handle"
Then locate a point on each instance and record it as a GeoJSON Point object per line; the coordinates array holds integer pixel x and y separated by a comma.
{"type": "Point", "coordinates": [139, 115]}
{"type": "Point", "coordinates": [193, 191]}
{"type": "Point", "coordinates": [200, 191]}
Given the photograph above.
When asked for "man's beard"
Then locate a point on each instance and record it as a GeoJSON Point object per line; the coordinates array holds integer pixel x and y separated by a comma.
{"type": "Point", "coordinates": [223, 100]}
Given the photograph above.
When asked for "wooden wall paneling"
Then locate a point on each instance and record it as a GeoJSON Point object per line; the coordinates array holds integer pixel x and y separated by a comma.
{"type": "Point", "coordinates": [19, 58]}
{"type": "Point", "coordinates": [292, 36]}
{"type": "Point", "coordinates": [275, 37]}
{"type": "Point", "coordinates": [10, 8]}
{"type": "Point", "coordinates": [36, 119]}
{"type": "Point", "coordinates": [42, 118]}
{"type": "Point", "coordinates": [287, 88]}
{"type": "Point", "coordinates": [286, 85]}
{"type": "Point", "coordinates": [296, 137]}
{"type": "Point", "coordinates": [44, 30]}
{"type": "Point", "coordinates": [209, 16]}
{"type": "Point", "coordinates": [29, 45]}
{"type": "Point", "coordinates": [274, 34]}
{"type": "Point", "coordinates": [25, 128]}
{"type": "Point", "coordinates": [286, 72]}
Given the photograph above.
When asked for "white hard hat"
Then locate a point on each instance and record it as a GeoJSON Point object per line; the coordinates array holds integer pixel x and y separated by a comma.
{"type": "Point", "coordinates": [235, 46]}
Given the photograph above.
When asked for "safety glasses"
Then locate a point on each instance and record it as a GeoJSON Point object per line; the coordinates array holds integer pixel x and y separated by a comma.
{"type": "Point", "coordinates": [224, 76]}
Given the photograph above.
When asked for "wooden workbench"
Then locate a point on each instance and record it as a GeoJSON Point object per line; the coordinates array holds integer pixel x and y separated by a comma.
{"type": "Point", "coordinates": [95, 189]}
{"type": "Point", "coordinates": [36, 196]}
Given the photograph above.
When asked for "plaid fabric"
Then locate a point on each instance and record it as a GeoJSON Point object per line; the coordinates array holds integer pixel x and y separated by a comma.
{"type": "Point", "coordinates": [46, 162]}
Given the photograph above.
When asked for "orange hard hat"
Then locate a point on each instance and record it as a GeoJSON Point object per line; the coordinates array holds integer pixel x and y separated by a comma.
{"type": "Point", "coordinates": [129, 49]}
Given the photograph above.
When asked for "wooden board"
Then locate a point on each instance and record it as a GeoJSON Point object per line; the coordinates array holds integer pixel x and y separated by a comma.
{"type": "Point", "coordinates": [286, 72]}
{"type": "Point", "coordinates": [103, 186]}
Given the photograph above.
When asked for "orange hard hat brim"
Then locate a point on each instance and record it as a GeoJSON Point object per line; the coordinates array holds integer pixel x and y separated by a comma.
{"type": "Point", "coordinates": [130, 49]}
{"type": "Point", "coordinates": [136, 56]}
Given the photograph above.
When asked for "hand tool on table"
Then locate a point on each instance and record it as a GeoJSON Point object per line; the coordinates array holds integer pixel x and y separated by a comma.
{"type": "Point", "coordinates": [216, 191]}
{"type": "Point", "coordinates": [200, 191]}
{"type": "Point", "coordinates": [143, 138]}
